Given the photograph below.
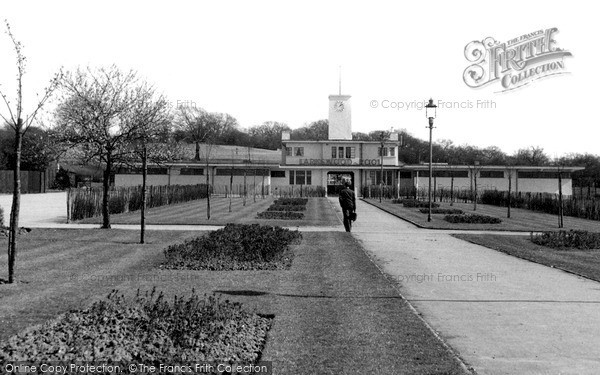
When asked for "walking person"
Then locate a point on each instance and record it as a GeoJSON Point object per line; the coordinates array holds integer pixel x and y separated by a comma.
{"type": "Point", "coordinates": [348, 202]}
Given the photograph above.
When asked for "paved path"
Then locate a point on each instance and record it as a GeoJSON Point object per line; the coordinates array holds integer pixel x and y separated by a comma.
{"type": "Point", "coordinates": [37, 209]}
{"type": "Point", "coordinates": [501, 314]}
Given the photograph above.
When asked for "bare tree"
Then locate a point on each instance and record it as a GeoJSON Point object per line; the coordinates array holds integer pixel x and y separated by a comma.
{"type": "Point", "coordinates": [19, 125]}
{"type": "Point", "coordinates": [91, 116]}
{"type": "Point", "coordinates": [201, 127]}
{"type": "Point", "coordinates": [151, 120]}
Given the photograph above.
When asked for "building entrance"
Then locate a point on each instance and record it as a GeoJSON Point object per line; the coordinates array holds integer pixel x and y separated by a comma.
{"type": "Point", "coordinates": [335, 181]}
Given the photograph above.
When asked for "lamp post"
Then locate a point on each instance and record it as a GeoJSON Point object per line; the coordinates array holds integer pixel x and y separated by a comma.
{"type": "Point", "coordinates": [430, 113]}
{"type": "Point", "coordinates": [381, 162]}
{"type": "Point", "coordinates": [475, 171]}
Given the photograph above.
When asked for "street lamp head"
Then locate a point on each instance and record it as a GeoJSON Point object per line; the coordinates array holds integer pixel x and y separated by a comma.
{"type": "Point", "coordinates": [430, 110]}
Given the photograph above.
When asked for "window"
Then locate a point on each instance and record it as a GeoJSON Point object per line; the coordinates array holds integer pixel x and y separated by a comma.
{"type": "Point", "coordinates": [392, 151]}
{"type": "Point", "coordinates": [350, 153]}
{"type": "Point", "coordinates": [334, 152]}
{"type": "Point", "coordinates": [277, 174]}
{"type": "Point", "coordinates": [388, 177]}
{"type": "Point", "coordinates": [491, 174]}
{"type": "Point", "coordinates": [340, 152]}
{"type": "Point", "coordinates": [300, 177]}
{"type": "Point", "coordinates": [447, 174]}
{"type": "Point", "coordinates": [157, 170]}
{"type": "Point", "coordinates": [131, 170]}
{"type": "Point", "coordinates": [553, 175]}
{"type": "Point", "coordinates": [191, 171]}
{"type": "Point", "coordinates": [241, 172]}
{"type": "Point", "coordinates": [288, 151]}
{"type": "Point", "coordinates": [384, 149]}
{"type": "Point", "coordinates": [299, 151]}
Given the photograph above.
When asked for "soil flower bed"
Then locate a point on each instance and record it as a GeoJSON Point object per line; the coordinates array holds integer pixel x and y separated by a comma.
{"type": "Point", "coordinates": [148, 329]}
{"type": "Point", "coordinates": [472, 219]}
{"type": "Point", "coordinates": [280, 215]}
{"type": "Point", "coordinates": [285, 209]}
{"type": "Point", "coordinates": [235, 247]}
{"type": "Point", "coordinates": [447, 211]}
{"type": "Point", "coordinates": [573, 239]}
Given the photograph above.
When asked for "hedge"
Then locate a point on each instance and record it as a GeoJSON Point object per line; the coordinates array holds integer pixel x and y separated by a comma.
{"type": "Point", "coordinates": [472, 219]}
{"type": "Point", "coordinates": [85, 203]}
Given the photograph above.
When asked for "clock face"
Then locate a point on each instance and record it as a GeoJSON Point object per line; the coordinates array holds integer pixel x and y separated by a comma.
{"type": "Point", "coordinates": [338, 106]}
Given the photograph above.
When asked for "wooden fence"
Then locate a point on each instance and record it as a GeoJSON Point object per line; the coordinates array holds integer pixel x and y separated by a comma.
{"type": "Point", "coordinates": [31, 181]}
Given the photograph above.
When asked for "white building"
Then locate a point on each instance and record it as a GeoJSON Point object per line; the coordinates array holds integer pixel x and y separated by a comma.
{"type": "Point", "coordinates": [323, 165]}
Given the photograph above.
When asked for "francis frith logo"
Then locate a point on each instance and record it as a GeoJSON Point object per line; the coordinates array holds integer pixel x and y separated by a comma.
{"type": "Point", "coordinates": [514, 63]}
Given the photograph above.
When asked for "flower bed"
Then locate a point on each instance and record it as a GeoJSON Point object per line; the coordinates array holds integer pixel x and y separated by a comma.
{"type": "Point", "coordinates": [447, 211]}
{"type": "Point", "coordinates": [235, 247]}
{"type": "Point", "coordinates": [411, 203]}
{"type": "Point", "coordinates": [148, 329]}
{"type": "Point", "coordinates": [573, 239]}
{"type": "Point", "coordinates": [286, 207]}
{"type": "Point", "coordinates": [291, 201]}
{"type": "Point", "coordinates": [280, 215]}
{"type": "Point", "coordinates": [472, 219]}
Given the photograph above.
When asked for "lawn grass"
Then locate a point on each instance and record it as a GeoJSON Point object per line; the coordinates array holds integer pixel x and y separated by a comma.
{"type": "Point", "coordinates": [318, 213]}
{"type": "Point", "coordinates": [334, 312]}
{"type": "Point", "coordinates": [521, 220]}
{"type": "Point", "coordinates": [582, 262]}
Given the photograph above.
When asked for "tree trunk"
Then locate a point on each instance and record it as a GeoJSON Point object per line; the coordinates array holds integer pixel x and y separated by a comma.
{"type": "Point", "coordinates": [509, 195]}
{"type": "Point", "coordinates": [475, 191]}
{"type": "Point", "coordinates": [16, 204]}
{"type": "Point", "coordinates": [560, 201]}
{"type": "Point", "coordinates": [197, 156]}
{"type": "Point", "coordinates": [105, 190]}
{"type": "Point", "coordinates": [452, 190]}
{"type": "Point", "coordinates": [231, 187]}
{"type": "Point", "coordinates": [207, 191]}
{"type": "Point", "coordinates": [244, 191]}
{"type": "Point", "coordinates": [144, 177]}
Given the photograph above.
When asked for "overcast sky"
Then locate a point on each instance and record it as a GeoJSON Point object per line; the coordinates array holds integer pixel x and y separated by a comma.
{"type": "Point", "coordinates": [278, 61]}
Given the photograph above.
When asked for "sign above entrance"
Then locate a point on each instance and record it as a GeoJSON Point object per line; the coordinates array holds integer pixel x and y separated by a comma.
{"type": "Point", "coordinates": [340, 162]}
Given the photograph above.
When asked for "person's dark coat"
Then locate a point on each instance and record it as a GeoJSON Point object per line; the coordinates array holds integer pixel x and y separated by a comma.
{"type": "Point", "coordinates": [347, 199]}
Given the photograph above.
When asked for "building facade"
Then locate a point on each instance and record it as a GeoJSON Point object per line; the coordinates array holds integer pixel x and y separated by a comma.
{"type": "Point", "coordinates": [324, 165]}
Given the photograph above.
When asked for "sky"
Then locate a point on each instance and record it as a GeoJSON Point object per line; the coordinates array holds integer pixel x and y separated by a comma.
{"type": "Point", "coordinates": [280, 60]}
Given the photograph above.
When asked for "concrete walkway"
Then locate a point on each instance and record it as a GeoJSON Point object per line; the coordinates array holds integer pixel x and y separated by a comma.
{"type": "Point", "coordinates": [501, 314]}
{"type": "Point", "coordinates": [37, 209]}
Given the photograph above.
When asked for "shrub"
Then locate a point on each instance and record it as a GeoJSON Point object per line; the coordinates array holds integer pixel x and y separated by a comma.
{"type": "Point", "coordinates": [62, 180]}
{"type": "Point", "coordinates": [117, 204]}
{"type": "Point", "coordinates": [573, 239]}
{"type": "Point", "coordinates": [447, 211]}
{"type": "Point", "coordinates": [147, 329]}
{"type": "Point", "coordinates": [280, 215]}
{"type": "Point", "coordinates": [235, 247]}
{"type": "Point", "coordinates": [472, 219]}
{"type": "Point", "coordinates": [418, 204]}
{"type": "Point", "coordinates": [1, 217]}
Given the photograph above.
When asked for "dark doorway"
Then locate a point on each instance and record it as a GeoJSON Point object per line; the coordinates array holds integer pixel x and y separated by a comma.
{"type": "Point", "coordinates": [335, 181]}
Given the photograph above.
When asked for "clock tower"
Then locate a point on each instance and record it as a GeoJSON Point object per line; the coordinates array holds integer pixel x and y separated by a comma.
{"type": "Point", "coordinates": [340, 127]}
